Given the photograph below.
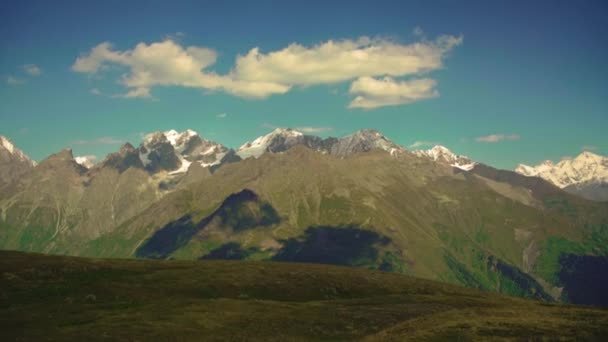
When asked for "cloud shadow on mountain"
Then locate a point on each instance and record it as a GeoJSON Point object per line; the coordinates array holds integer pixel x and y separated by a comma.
{"type": "Point", "coordinates": [239, 212]}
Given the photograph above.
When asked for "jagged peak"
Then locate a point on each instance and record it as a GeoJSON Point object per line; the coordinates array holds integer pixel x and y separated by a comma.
{"type": "Point", "coordinates": [65, 154]}
{"type": "Point", "coordinates": [126, 148]}
{"type": "Point", "coordinates": [9, 146]}
{"type": "Point", "coordinates": [444, 154]}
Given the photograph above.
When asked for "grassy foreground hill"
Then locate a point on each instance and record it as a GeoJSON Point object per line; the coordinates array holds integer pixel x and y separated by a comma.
{"type": "Point", "coordinates": [68, 298]}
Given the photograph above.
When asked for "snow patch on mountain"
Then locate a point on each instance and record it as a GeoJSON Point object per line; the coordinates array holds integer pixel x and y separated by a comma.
{"type": "Point", "coordinates": [587, 167]}
{"type": "Point", "coordinates": [86, 161]}
{"type": "Point", "coordinates": [265, 143]}
{"type": "Point", "coordinates": [185, 148]}
{"type": "Point", "coordinates": [8, 145]}
{"type": "Point", "coordinates": [443, 154]}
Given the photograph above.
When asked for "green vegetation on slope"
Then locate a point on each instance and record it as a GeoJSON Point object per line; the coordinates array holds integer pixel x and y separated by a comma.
{"type": "Point", "coordinates": [67, 298]}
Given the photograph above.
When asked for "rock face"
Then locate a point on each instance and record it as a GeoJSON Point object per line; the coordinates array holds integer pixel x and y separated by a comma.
{"type": "Point", "coordinates": [364, 141]}
{"type": "Point", "coordinates": [280, 140]}
{"type": "Point", "coordinates": [444, 155]}
{"type": "Point", "coordinates": [13, 162]}
{"type": "Point", "coordinates": [586, 175]}
{"type": "Point", "coordinates": [125, 158]}
{"type": "Point", "coordinates": [174, 151]}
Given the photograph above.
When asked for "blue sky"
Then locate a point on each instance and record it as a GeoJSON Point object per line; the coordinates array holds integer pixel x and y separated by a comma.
{"type": "Point", "coordinates": [529, 76]}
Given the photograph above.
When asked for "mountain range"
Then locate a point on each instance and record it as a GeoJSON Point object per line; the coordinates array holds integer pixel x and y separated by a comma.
{"type": "Point", "coordinates": [586, 175]}
{"type": "Point", "coordinates": [359, 200]}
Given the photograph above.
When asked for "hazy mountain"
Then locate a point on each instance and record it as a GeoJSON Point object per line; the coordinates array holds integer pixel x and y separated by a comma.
{"type": "Point", "coordinates": [586, 175]}
{"type": "Point", "coordinates": [13, 162]}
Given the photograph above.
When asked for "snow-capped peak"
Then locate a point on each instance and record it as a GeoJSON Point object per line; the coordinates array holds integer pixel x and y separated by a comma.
{"type": "Point", "coordinates": [8, 145]}
{"type": "Point", "coordinates": [586, 167]}
{"type": "Point", "coordinates": [265, 143]}
{"type": "Point", "coordinates": [365, 140]}
{"type": "Point", "coordinates": [188, 147]}
{"type": "Point", "coordinates": [443, 154]}
{"type": "Point", "coordinates": [178, 139]}
{"type": "Point", "coordinates": [86, 161]}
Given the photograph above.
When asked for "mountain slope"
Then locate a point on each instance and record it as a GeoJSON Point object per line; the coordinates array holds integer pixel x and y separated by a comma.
{"type": "Point", "coordinates": [404, 214]}
{"type": "Point", "coordinates": [13, 162]}
{"type": "Point", "coordinates": [360, 202]}
{"type": "Point", "coordinates": [226, 300]}
{"type": "Point", "coordinates": [586, 175]}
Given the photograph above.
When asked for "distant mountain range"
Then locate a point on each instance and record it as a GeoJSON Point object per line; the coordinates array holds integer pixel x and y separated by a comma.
{"type": "Point", "coordinates": [359, 200]}
{"type": "Point", "coordinates": [173, 152]}
{"type": "Point", "coordinates": [586, 175]}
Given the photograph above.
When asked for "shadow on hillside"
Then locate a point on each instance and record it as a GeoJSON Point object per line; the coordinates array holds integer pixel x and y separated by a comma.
{"type": "Point", "coordinates": [239, 211]}
{"type": "Point", "coordinates": [230, 251]}
{"type": "Point", "coordinates": [341, 245]}
{"type": "Point", "coordinates": [585, 279]}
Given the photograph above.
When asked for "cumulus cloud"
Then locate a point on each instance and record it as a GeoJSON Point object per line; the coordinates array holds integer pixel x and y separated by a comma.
{"type": "Point", "coordinates": [494, 138]}
{"type": "Point", "coordinates": [168, 64]}
{"type": "Point", "coordinates": [99, 141]}
{"type": "Point", "coordinates": [423, 143]}
{"type": "Point", "coordinates": [258, 75]}
{"type": "Point", "coordinates": [221, 115]}
{"type": "Point", "coordinates": [344, 60]}
{"type": "Point", "coordinates": [32, 69]}
{"type": "Point", "coordinates": [372, 93]}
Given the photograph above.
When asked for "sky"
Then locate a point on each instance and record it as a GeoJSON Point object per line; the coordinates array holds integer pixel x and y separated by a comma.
{"type": "Point", "coordinates": [503, 82]}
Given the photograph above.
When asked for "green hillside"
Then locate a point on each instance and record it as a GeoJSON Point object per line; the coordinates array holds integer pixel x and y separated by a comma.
{"type": "Point", "coordinates": [491, 230]}
{"type": "Point", "coordinates": [66, 298]}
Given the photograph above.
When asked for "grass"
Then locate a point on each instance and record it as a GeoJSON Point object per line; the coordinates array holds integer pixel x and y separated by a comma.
{"type": "Point", "coordinates": [66, 298]}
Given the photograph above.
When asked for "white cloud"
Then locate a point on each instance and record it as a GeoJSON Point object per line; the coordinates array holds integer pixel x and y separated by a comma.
{"type": "Point", "coordinates": [95, 91]}
{"type": "Point", "coordinates": [259, 75]}
{"type": "Point", "coordinates": [99, 141]}
{"type": "Point", "coordinates": [137, 92]}
{"type": "Point", "coordinates": [32, 69]}
{"type": "Point", "coordinates": [314, 130]}
{"type": "Point", "coordinates": [167, 63]}
{"type": "Point", "coordinates": [423, 143]}
{"type": "Point", "coordinates": [221, 115]}
{"type": "Point", "coordinates": [373, 93]}
{"type": "Point", "coordinates": [494, 138]}
{"type": "Point", "coordinates": [344, 60]}
{"type": "Point", "coordinates": [14, 81]}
